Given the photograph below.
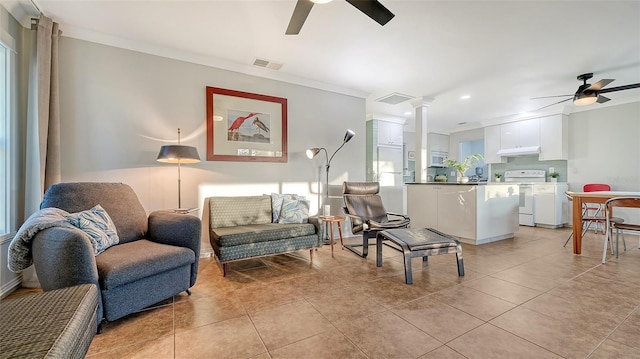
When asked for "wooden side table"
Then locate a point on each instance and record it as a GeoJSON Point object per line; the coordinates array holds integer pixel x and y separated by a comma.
{"type": "Point", "coordinates": [331, 220]}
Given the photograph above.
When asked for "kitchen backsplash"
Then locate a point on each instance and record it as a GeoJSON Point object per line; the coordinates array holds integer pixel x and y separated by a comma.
{"type": "Point", "coordinates": [530, 163]}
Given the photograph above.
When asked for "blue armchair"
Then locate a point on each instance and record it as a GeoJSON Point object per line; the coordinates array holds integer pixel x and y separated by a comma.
{"type": "Point", "coordinates": [155, 259]}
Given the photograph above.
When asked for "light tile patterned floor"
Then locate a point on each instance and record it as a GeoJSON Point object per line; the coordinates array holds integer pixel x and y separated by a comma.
{"type": "Point", "coordinates": [526, 297]}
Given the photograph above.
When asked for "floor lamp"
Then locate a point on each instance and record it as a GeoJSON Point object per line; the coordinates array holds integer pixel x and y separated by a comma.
{"type": "Point", "coordinates": [178, 154]}
{"type": "Point", "coordinates": [313, 152]}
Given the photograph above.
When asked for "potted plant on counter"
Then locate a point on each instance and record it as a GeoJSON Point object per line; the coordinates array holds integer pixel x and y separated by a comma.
{"type": "Point", "coordinates": [554, 176]}
{"type": "Point", "coordinates": [498, 176]}
{"type": "Point", "coordinates": [463, 166]}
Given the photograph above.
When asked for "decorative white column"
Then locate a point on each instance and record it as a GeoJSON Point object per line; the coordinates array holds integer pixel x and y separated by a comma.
{"type": "Point", "coordinates": [420, 106]}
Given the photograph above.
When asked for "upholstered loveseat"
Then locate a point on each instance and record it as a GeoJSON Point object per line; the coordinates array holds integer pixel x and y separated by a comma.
{"type": "Point", "coordinates": [156, 256]}
{"type": "Point", "coordinates": [250, 226]}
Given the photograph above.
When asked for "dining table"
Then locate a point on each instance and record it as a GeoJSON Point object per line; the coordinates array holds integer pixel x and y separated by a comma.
{"type": "Point", "coordinates": [598, 197]}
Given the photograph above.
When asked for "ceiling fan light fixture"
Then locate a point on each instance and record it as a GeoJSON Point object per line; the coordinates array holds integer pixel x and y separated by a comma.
{"type": "Point", "coordinates": [583, 99]}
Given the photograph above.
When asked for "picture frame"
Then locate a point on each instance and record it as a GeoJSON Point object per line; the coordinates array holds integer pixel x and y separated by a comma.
{"type": "Point", "coordinates": [244, 126]}
{"type": "Point", "coordinates": [411, 155]}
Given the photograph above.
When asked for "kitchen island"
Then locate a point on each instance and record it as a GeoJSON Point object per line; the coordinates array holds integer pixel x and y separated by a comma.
{"type": "Point", "coordinates": [476, 213]}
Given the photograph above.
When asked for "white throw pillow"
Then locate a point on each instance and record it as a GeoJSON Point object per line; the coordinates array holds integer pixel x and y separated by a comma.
{"type": "Point", "coordinates": [294, 211]}
{"type": "Point", "coordinates": [276, 203]}
{"type": "Point", "coordinates": [96, 223]}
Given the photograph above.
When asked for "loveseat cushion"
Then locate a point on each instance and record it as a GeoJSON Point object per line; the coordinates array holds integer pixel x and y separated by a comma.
{"type": "Point", "coordinates": [239, 211]}
{"type": "Point", "coordinates": [129, 262]}
{"type": "Point", "coordinates": [254, 233]}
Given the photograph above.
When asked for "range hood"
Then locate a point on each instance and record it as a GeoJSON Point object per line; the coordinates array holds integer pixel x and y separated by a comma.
{"type": "Point", "coordinates": [519, 151]}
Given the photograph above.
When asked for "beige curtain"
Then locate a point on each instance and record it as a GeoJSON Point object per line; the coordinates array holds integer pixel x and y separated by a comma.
{"type": "Point", "coordinates": [43, 121]}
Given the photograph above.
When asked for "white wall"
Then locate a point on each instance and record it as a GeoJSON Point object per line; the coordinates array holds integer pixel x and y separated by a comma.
{"type": "Point", "coordinates": [604, 147]}
{"type": "Point", "coordinates": [118, 105]}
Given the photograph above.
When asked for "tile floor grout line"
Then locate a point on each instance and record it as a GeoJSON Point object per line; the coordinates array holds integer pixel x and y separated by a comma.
{"type": "Point", "coordinates": [255, 329]}
{"type": "Point", "coordinates": [613, 331]}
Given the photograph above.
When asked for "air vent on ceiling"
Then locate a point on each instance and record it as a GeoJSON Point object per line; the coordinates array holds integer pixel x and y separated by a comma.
{"type": "Point", "coordinates": [394, 98]}
{"type": "Point", "coordinates": [266, 63]}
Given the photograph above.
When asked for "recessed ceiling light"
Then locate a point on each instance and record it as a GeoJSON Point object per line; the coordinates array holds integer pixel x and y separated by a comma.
{"type": "Point", "coordinates": [408, 113]}
{"type": "Point", "coordinates": [465, 97]}
{"type": "Point", "coordinates": [462, 123]}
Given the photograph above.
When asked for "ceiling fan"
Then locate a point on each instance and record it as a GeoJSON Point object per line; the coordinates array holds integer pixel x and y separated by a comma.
{"type": "Point", "coordinates": [372, 8]}
{"type": "Point", "coordinates": [588, 94]}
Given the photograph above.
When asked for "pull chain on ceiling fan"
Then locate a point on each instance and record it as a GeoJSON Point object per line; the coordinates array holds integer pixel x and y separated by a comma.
{"type": "Point", "coordinates": [588, 94]}
{"type": "Point", "coordinates": [372, 8]}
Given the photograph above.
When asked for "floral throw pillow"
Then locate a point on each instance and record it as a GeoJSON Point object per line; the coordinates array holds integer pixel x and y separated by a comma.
{"type": "Point", "coordinates": [276, 203]}
{"type": "Point", "coordinates": [294, 211]}
{"type": "Point", "coordinates": [97, 224]}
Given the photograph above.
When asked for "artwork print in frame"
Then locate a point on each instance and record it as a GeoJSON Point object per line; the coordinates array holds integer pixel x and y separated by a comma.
{"type": "Point", "coordinates": [243, 126]}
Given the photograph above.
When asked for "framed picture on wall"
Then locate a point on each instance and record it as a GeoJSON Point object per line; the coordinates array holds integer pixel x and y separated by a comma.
{"type": "Point", "coordinates": [243, 126]}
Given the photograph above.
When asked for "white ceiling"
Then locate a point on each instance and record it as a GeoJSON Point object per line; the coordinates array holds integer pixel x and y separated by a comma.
{"type": "Point", "coordinates": [500, 53]}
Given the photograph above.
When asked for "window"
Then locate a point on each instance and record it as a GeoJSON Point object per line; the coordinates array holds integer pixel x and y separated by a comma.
{"type": "Point", "coordinates": [5, 116]}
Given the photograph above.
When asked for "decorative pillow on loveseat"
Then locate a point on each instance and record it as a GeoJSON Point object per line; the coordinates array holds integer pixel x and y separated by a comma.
{"type": "Point", "coordinates": [276, 203]}
{"type": "Point", "coordinates": [294, 211]}
{"type": "Point", "coordinates": [97, 224]}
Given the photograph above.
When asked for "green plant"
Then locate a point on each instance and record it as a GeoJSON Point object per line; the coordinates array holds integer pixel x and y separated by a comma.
{"type": "Point", "coordinates": [554, 175]}
{"type": "Point", "coordinates": [463, 166]}
{"type": "Point", "coordinates": [497, 175]}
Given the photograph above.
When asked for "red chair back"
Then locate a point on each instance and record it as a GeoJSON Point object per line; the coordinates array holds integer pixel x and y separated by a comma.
{"type": "Point", "coordinates": [594, 187]}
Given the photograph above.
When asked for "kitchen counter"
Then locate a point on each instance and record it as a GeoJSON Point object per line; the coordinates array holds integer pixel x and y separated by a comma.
{"type": "Point", "coordinates": [461, 184]}
{"type": "Point", "coordinates": [476, 213]}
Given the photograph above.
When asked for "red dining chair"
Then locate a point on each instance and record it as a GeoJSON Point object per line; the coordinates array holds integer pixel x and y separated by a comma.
{"type": "Point", "coordinates": [594, 209]}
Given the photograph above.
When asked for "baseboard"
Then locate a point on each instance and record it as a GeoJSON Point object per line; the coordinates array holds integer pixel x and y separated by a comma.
{"type": "Point", "coordinates": [10, 286]}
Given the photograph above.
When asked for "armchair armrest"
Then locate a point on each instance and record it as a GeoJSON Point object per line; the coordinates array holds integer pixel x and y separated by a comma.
{"type": "Point", "coordinates": [63, 257]}
{"type": "Point", "coordinates": [398, 215]}
{"type": "Point", "coordinates": [179, 230]}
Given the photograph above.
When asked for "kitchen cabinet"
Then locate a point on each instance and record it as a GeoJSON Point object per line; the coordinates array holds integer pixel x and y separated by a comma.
{"type": "Point", "coordinates": [389, 133]}
{"type": "Point", "coordinates": [520, 134]}
{"type": "Point", "coordinates": [475, 213]}
{"type": "Point", "coordinates": [550, 204]}
{"type": "Point", "coordinates": [554, 138]}
{"type": "Point", "coordinates": [438, 142]}
{"type": "Point", "coordinates": [492, 145]}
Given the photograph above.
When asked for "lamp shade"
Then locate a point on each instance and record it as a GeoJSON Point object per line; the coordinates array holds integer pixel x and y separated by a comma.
{"type": "Point", "coordinates": [178, 154]}
{"type": "Point", "coordinates": [348, 136]}
{"type": "Point", "coordinates": [312, 152]}
{"type": "Point", "coordinates": [582, 99]}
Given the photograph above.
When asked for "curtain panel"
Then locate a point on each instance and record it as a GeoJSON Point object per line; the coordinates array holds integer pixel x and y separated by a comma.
{"type": "Point", "coordinates": [43, 121]}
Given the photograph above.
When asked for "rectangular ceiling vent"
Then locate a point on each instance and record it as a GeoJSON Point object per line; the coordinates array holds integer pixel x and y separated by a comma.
{"type": "Point", "coordinates": [266, 64]}
{"type": "Point", "coordinates": [395, 98]}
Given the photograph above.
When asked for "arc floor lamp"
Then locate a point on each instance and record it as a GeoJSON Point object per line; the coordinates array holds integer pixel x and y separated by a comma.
{"type": "Point", "coordinates": [313, 152]}
{"type": "Point", "coordinates": [181, 155]}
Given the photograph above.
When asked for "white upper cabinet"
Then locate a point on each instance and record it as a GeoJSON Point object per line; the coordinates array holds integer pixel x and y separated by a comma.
{"type": "Point", "coordinates": [389, 133]}
{"type": "Point", "coordinates": [492, 145]}
{"type": "Point", "coordinates": [438, 142]}
{"type": "Point", "coordinates": [520, 134]}
{"type": "Point", "coordinates": [554, 138]}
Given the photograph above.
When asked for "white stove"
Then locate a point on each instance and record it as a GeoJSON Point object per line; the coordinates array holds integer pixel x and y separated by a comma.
{"type": "Point", "coordinates": [525, 176]}
{"type": "Point", "coordinates": [525, 180]}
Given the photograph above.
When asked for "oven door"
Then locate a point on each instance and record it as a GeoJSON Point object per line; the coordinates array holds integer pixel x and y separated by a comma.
{"type": "Point", "coordinates": [526, 205]}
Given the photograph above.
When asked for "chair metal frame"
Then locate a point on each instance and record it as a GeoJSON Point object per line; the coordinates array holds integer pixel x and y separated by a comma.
{"type": "Point", "coordinates": [591, 219]}
{"type": "Point", "coordinates": [626, 202]}
{"type": "Point", "coordinates": [370, 228]}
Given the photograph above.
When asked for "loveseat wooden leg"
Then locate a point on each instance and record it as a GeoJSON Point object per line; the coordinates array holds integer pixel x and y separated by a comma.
{"type": "Point", "coordinates": [311, 254]}
{"type": "Point", "coordinates": [188, 291]}
{"type": "Point", "coordinates": [224, 269]}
